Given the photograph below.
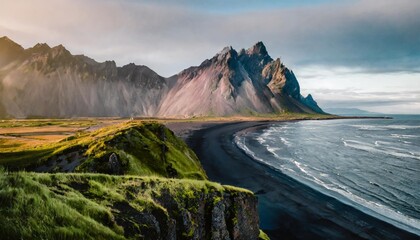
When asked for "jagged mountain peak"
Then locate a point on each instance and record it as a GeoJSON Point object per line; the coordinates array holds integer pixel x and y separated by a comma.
{"type": "Point", "coordinates": [309, 97]}
{"type": "Point", "coordinates": [5, 39]}
{"type": "Point", "coordinates": [6, 42]}
{"type": "Point", "coordinates": [258, 48]}
{"type": "Point", "coordinates": [226, 53]}
{"type": "Point", "coordinates": [59, 50]}
{"type": "Point", "coordinates": [278, 62]}
{"type": "Point", "coordinates": [225, 50]}
{"type": "Point", "coordinates": [59, 47]}
{"type": "Point", "coordinates": [86, 59]}
{"type": "Point", "coordinates": [311, 103]}
{"type": "Point", "coordinates": [133, 67]}
{"type": "Point", "coordinates": [39, 48]}
{"type": "Point", "coordinates": [9, 51]}
{"type": "Point", "coordinates": [255, 55]}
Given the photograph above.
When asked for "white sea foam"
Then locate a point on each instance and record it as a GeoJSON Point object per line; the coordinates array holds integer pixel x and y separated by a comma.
{"type": "Point", "coordinates": [370, 148]}
{"type": "Point", "coordinates": [240, 143]}
{"type": "Point", "coordinates": [298, 165]}
{"type": "Point", "coordinates": [273, 150]}
{"type": "Point", "coordinates": [368, 127]}
{"type": "Point", "coordinates": [309, 128]}
{"type": "Point", "coordinates": [287, 169]}
{"type": "Point", "coordinates": [261, 140]}
{"type": "Point", "coordinates": [284, 140]}
{"type": "Point", "coordinates": [403, 136]}
{"type": "Point", "coordinates": [401, 127]}
{"type": "Point", "coordinates": [383, 127]}
{"type": "Point", "coordinates": [379, 142]}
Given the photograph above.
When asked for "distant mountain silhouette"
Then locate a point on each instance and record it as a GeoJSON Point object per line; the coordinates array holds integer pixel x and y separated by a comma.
{"type": "Point", "coordinates": [349, 111]}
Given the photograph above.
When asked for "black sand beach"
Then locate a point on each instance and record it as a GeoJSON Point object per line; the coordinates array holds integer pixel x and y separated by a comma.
{"type": "Point", "coordinates": [288, 209]}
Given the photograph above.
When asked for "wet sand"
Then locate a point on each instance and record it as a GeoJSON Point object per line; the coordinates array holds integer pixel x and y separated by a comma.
{"type": "Point", "coordinates": [288, 209]}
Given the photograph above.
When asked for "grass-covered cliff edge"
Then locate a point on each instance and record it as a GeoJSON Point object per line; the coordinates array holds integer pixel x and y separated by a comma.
{"type": "Point", "coordinates": [124, 181]}
{"type": "Point", "coordinates": [101, 206]}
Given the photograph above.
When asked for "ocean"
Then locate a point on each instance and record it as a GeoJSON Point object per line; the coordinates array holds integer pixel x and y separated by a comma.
{"type": "Point", "coordinates": [371, 164]}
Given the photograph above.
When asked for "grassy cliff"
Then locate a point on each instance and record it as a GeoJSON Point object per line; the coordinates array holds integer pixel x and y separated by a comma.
{"type": "Point", "coordinates": [101, 206]}
{"type": "Point", "coordinates": [144, 149]}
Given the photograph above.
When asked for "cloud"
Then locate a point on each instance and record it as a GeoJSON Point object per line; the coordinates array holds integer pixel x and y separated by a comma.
{"type": "Point", "coordinates": [386, 102]}
{"type": "Point", "coordinates": [372, 35]}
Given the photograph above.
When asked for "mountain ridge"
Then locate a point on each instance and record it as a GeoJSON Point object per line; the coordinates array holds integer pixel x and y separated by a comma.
{"type": "Point", "coordinates": [51, 82]}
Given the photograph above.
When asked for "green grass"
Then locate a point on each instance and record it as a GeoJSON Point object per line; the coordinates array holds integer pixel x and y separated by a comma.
{"type": "Point", "coordinates": [97, 206]}
{"type": "Point", "coordinates": [30, 210]}
{"type": "Point", "coordinates": [145, 149]}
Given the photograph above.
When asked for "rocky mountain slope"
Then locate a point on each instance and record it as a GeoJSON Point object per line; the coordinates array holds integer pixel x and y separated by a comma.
{"type": "Point", "coordinates": [51, 82]}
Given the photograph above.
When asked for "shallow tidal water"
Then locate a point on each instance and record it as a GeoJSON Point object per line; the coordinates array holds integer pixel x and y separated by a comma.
{"type": "Point", "coordinates": [372, 164]}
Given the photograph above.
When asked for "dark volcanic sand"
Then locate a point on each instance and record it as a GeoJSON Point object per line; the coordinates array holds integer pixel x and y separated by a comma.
{"type": "Point", "coordinates": [288, 209]}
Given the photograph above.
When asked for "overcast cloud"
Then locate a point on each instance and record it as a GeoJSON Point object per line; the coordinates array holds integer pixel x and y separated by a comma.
{"type": "Point", "coordinates": [367, 36]}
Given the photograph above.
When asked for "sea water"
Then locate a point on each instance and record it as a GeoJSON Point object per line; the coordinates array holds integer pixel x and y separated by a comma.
{"type": "Point", "coordinates": [372, 164]}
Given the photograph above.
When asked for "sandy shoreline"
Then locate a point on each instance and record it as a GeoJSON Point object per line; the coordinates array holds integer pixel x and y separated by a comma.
{"type": "Point", "coordinates": [288, 209]}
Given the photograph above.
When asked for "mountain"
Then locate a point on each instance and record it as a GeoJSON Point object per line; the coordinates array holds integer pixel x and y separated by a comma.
{"type": "Point", "coordinates": [49, 81]}
{"type": "Point", "coordinates": [350, 112]}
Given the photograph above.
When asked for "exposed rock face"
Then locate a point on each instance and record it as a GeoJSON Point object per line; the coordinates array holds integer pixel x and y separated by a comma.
{"type": "Point", "coordinates": [219, 86]}
{"type": "Point", "coordinates": [114, 164]}
{"type": "Point", "coordinates": [93, 206]}
{"type": "Point", "coordinates": [51, 82]}
{"type": "Point", "coordinates": [217, 215]}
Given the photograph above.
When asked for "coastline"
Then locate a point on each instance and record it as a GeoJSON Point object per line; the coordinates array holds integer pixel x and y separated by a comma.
{"type": "Point", "coordinates": [288, 209]}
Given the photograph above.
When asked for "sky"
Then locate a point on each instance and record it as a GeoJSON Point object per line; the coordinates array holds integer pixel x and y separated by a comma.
{"type": "Point", "coordinates": [347, 53]}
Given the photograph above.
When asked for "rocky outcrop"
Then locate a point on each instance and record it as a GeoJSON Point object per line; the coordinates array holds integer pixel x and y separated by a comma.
{"type": "Point", "coordinates": [49, 81]}
{"type": "Point", "coordinates": [98, 206]}
{"type": "Point", "coordinates": [227, 214]}
{"type": "Point", "coordinates": [114, 164]}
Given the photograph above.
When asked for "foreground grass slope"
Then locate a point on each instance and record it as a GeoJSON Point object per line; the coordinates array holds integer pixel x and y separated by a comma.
{"type": "Point", "coordinates": [145, 149]}
{"type": "Point", "coordinates": [101, 206]}
{"type": "Point", "coordinates": [127, 180]}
